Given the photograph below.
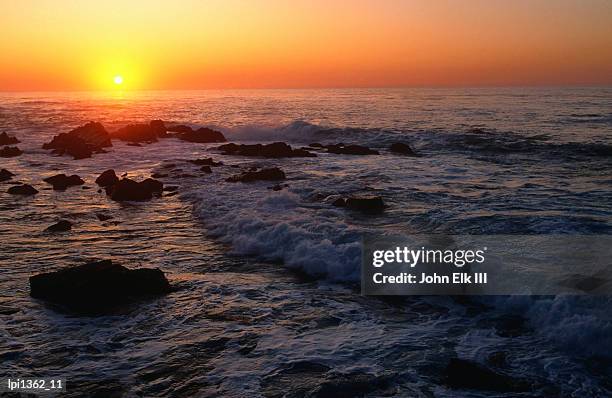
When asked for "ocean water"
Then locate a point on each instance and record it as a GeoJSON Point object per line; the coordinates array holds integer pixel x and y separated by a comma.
{"type": "Point", "coordinates": [268, 303]}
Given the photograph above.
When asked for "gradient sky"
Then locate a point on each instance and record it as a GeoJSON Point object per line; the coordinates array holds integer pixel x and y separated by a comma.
{"type": "Point", "coordinates": [81, 45]}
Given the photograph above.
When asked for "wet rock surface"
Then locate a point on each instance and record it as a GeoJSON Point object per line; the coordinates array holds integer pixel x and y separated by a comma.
{"type": "Point", "coordinates": [23, 189]}
{"type": "Point", "coordinates": [5, 175]}
{"type": "Point", "coordinates": [269, 174]}
{"type": "Point", "coordinates": [107, 178]}
{"type": "Point", "coordinates": [6, 139]}
{"type": "Point", "coordinates": [81, 142]}
{"type": "Point", "coordinates": [10, 152]}
{"type": "Point", "coordinates": [365, 204]}
{"type": "Point", "coordinates": [274, 150]}
{"type": "Point", "coordinates": [98, 285]}
{"type": "Point", "coordinates": [60, 226]}
{"type": "Point", "coordinates": [202, 135]}
{"type": "Point", "coordinates": [402, 149]}
{"type": "Point", "coordinates": [61, 181]}
{"type": "Point", "coordinates": [129, 190]}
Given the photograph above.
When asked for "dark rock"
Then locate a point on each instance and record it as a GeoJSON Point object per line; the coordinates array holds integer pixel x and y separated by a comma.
{"type": "Point", "coordinates": [341, 149]}
{"type": "Point", "coordinates": [402, 148]}
{"type": "Point", "coordinates": [159, 127]}
{"type": "Point", "coordinates": [5, 139]}
{"type": "Point", "coordinates": [98, 286]}
{"type": "Point", "coordinates": [130, 190]}
{"type": "Point", "coordinates": [464, 374]}
{"type": "Point", "coordinates": [107, 178]}
{"type": "Point", "coordinates": [152, 185]}
{"type": "Point", "coordinates": [103, 217]}
{"type": "Point", "coordinates": [366, 204]}
{"type": "Point", "coordinates": [179, 128]}
{"type": "Point", "coordinates": [5, 175]}
{"type": "Point", "coordinates": [61, 226]}
{"type": "Point", "coordinates": [202, 135]}
{"type": "Point", "coordinates": [10, 152]}
{"type": "Point", "coordinates": [316, 145]}
{"type": "Point", "coordinates": [270, 174]}
{"type": "Point", "coordinates": [23, 189]}
{"type": "Point", "coordinates": [61, 181]}
{"type": "Point", "coordinates": [340, 202]}
{"type": "Point", "coordinates": [206, 162]}
{"type": "Point", "coordinates": [206, 169]}
{"type": "Point", "coordinates": [274, 150]}
{"type": "Point", "coordinates": [81, 142]}
{"type": "Point", "coordinates": [136, 133]}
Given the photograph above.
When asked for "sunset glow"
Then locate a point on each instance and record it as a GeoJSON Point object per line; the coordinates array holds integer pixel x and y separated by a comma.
{"type": "Point", "coordinates": [57, 45]}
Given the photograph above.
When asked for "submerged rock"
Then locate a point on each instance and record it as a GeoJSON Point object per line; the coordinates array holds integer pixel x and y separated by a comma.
{"type": "Point", "coordinates": [5, 139]}
{"type": "Point", "coordinates": [403, 149]}
{"type": "Point", "coordinates": [464, 374]}
{"type": "Point", "coordinates": [366, 204]}
{"type": "Point", "coordinates": [60, 226]}
{"type": "Point", "coordinates": [274, 150]}
{"type": "Point", "coordinates": [206, 162]}
{"type": "Point", "coordinates": [270, 174]}
{"type": "Point", "coordinates": [81, 142]}
{"type": "Point", "coordinates": [10, 152]}
{"type": "Point", "coordinates": [350, 150]}
{"type": "Point", "coordinates": [107, 178]}
{"type": "Point", "coordinates": [130, 190]}
{"type": "Point", "coordinates": [5, 175]}
{"type": "Point", "coordinates": [61, 181]}
{"type": "Point", "coordinates": [98, 285]}
{"type": "Point", "coordinates": [202, 135]}
{"type": "Point", "coordinates": [23, 189]}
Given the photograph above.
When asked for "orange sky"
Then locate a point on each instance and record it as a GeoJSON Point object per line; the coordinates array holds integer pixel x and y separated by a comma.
{"type": "Point", "coordinates": [82, 45]}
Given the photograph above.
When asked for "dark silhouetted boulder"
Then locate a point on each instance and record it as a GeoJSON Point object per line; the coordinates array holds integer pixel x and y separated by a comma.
{"type": "Point", "coordinates": [202, 135]}
{"type": "Point", "coordinates": [464, 374]}
{"type": "Point", "coordinates": [130, 190]}
{"type": "Point", "coordinates": [5, 139]}
{"type": "Point", "coordinates": [135, 133]}
{"type": "Point", "coordinates": [98, 286]}
{"type": "Point", "coordinates": [366, 204]}
{"type": "Point", "coordinates": [206, 169]}
{"type": "Point", "coordinates": [179, 128]}
{"type": "Point", "coordinates": [159, 127]}
{"type": "Point", "coordinates": [81, 142]}
{"type": "Point", "coordinates": [402, 148]}
{"type": "Point", "coordinates": [342, 149]}
{"type": "Point", "coordinates": [5, 175]}
{"type": "Point", "coordinates": [270, 174]}
{"type": "Point", "coordinates": [61, 181]}
{"type": "Point", "coordinates": [340, 202]}
{"type": "Point", "coordinates": [60, 226]}
{"type": "Point", "coordinates": [10, 152]}
{"type": "Point", "coordinates": [23, 189]}
{"type": "Point", "coordinates": [107, 178]}
{"type": "Point", "coordinates": [206, 162]}
{"type": "Point", "coordinates": [274, 150]}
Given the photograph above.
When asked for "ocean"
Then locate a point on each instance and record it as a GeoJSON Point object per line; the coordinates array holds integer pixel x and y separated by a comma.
{"type": "Point", "coordinates": [268, 301]}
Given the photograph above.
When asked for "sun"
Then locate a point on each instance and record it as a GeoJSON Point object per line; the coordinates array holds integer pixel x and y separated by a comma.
{"type": "Point", "coordinates": [118, 80]}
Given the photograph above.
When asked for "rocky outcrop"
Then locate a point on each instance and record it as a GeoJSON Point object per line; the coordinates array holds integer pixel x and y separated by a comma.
{"type": "Point", "coordinates": [206, 162]}
{"type": "Point", "coordinates": [60, 226]}
{"type": "Point", "coordinates": [274, 150]}
{"type": "Point", "coordinates": [61, 181]}
{"type": "Point", "coordinates": [5, 175]}
{"type": "Point", "coordinates": [81, 142]}
{"type": "Point", "coordinates": [135, 133]}
{"type": "Point", "coordinates": [130, 190]}
{"type": "Point", "coordinates": [23, 189]}
{"type": "Point", "coordinates": [159, 127]}
{"type": "Point", "coordinates": [402, 149]}
{"type": "Point", "coordinates": [179, 128]}
{"type": "Point", "coordinates": [10, 152]}
{"type": "Point", "coordinates": [270, 174]}
{"type": "Point", "coordinates": [202, 135]}
{"type": "Point", "coordinates": [5, 139]}
{"type": "Point", "coordinates": [342, 149]}
{"type": "Point", "coordinates": [365, 204]}
{"type": "Point", "coordinates": [98, 286]}
{"type": "Point", "coordinates": [107, 178]}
